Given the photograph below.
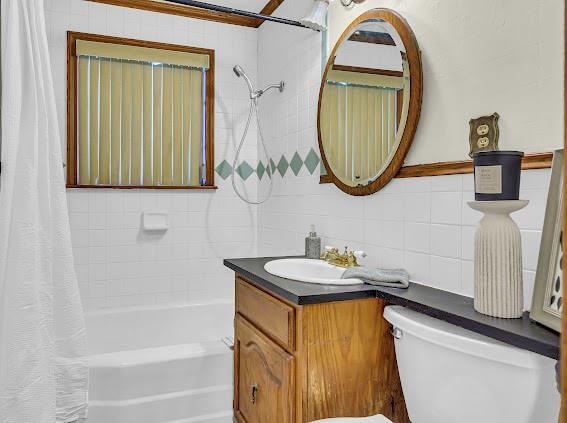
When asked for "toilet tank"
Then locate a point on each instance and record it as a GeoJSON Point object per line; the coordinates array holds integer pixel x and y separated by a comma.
{"type": "Point", "coordinates": [450, 374]}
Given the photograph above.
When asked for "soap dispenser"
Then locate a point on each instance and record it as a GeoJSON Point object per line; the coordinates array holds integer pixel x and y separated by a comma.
{"type": "Point", "coordinates": [313, 245]}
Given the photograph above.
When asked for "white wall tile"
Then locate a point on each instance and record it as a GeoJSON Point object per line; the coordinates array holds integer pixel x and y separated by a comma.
{"type": "Point", "coordinates": [417, 207]}
{"type": "Point", "coordinates": [469, 216]}
{"type": "Point", "coordinates": [530, 249]}
{"type": "Point", "coordinates": [467, 242]}
{"type": "Point", "coordinates": [529, 282]}
{"type": "Point", "coordinates": [446, 207]}
{"type": "Point", "coordinates": [446, 240]}
{"type": "Point", "coordinates": [385, 207]}
{"type": "Point", "coordinates": [445, 274]}
{"type": "Point", "coordinates": [531, 216]}
{"type": "Point", "coordinates": [467, 278]}
{"type": "Point", "coordinates": [451, 183]}
{"type": "Point", "coordinates": [537, 179]}
{"type": "Point", "coordinates": [418, 266]}
{"type": "Point", "coordinates": [417, 237]}
{"type": "Point", "coordinates": [120, 264]}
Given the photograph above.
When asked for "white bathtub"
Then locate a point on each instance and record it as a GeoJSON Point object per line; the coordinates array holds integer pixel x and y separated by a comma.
{"type": "Point", "coordinates": [161, 364]}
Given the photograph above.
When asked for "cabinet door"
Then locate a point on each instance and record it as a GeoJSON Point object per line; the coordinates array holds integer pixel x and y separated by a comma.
{"type": "Point", "coordinates": [263, 377]}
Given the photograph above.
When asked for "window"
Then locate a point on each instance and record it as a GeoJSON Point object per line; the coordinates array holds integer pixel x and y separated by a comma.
{"type": "Point", "coordinates": [140, 114]}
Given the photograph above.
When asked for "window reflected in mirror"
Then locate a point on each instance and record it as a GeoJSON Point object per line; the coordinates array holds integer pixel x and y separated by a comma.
{"type": "Point", "coordinates": [365, 100]}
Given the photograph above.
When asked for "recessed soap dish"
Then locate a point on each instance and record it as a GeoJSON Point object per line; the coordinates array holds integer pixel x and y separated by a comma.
{"type": "Point", "coordinates": [155, 221]}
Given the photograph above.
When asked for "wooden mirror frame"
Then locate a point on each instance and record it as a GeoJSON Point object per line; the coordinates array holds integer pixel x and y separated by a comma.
{"type": "Point", "coordinates": [416, 93]}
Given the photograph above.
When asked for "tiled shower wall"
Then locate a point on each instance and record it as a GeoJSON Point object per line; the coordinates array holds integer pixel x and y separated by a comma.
{"type": "Point", "coordinates": [117, 263]}
{"type": "Point", "coordinates": [421, 224]}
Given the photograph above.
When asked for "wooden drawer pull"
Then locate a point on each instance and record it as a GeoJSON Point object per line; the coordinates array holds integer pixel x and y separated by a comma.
{"type": "Point", "coordinates": [253, 393]}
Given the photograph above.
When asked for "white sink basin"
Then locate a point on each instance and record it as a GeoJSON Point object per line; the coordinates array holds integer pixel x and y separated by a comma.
{"type": "Point", "coordinates": [309, 270]}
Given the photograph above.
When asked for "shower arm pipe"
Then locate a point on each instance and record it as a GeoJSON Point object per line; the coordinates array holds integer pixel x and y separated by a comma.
{"type": "Point", "coordinates": [238, 12]}
{"type": "Point", "coordinates": [259, 93]}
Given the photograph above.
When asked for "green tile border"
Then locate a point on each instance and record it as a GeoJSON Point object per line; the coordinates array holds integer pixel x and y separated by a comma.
{"type": "Point", "coordinates": [283, 166]}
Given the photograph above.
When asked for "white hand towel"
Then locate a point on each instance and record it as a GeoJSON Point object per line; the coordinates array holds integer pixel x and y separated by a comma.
{"type": "Point", "coordinates": [396, 278]}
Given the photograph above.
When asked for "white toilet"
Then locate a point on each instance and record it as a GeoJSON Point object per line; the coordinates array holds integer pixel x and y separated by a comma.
{"type": "Point", "coordinates": [451, 375]}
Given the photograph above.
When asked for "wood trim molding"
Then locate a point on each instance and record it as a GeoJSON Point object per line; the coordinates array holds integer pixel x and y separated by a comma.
{"type": "Point", "coordinates": [416, 92]}
{"type": "Point", "coordinates": [530, 161]}
{"type": "Point", "coordinates": [72, 37]}
{"type": "Point", "coordinates": [372, 71]}
{"type": "Point", "coordinates": [325, 179]}
{"type": "Point", "coordinates": [187, 11]}
{"type": "Point", "coordinates": [270, 8]}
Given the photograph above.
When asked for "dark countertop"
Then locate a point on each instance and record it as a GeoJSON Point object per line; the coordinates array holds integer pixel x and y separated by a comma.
{"type": "Point", "coordinates": [453, 308]}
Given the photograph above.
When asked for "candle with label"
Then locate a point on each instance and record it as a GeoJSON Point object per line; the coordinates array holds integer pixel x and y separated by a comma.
{"type": "Point", "coordinates": [497, 175]}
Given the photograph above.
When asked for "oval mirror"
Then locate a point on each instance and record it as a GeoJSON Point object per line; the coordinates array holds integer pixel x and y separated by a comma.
{"type": "Point", "coordinates": [369, 102]}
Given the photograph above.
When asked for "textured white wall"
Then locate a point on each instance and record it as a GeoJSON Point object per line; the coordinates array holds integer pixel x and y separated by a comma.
{"type": "Point", "coordinates": [421, 224]}
{"type": "Point", "coordinates": [117, 263]}
{"type": "Point", "coordinates": [481, 57]}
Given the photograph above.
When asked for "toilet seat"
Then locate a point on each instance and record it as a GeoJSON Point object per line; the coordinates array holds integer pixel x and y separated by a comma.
{"type": "Point", "coordinates": [378, 418]}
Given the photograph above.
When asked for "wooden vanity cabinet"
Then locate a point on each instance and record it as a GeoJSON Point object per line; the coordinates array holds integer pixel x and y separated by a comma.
{"type": "Point", "coordinates": [295, 364]}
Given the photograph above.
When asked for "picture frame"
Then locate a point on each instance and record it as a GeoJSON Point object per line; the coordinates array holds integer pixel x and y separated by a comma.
{"type": "Point", "coordinates": [547, 300]}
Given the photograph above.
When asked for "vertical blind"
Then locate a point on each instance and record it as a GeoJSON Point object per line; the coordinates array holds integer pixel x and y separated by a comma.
{"type": "Point", "coordinates": [140, 115]}
{"type": "Point", "coordinates": [359, 124]}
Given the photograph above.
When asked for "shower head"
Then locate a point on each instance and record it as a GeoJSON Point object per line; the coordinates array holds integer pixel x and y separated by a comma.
{"type": "Point", "coordinates": [240, 73]}
{"type": "Point", "coordinates": [238, 70]}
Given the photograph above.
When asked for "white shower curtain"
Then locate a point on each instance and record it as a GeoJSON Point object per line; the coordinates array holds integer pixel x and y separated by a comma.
{"type": "Point", "coordinates": [43, 368]}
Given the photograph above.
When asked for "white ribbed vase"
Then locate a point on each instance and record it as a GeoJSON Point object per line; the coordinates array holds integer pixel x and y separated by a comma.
{"type": "Point", "coordinates": [498, 285]}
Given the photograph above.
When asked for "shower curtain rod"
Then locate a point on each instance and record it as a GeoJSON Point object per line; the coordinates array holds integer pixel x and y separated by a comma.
{"type": "Point", "coordinates": [238, 12]}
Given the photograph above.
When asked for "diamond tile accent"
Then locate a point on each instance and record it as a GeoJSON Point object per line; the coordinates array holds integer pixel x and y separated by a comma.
{"type": "Point", "coordinates": [296, 164]}
{"type": "Point", "coordinates": [312, 161]}
{"type": "Point", "coordinates": [224, 169]}
{"type": "Point", "coordinates": [260, 170]}
{"type": "Point", "coordinates": [244, 170]}
{"type": "Point", "coordinates": [283, 165]}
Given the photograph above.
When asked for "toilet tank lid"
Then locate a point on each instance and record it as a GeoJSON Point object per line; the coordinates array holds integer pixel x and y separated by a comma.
{"type": "Point", "coordinates": [456, 338]}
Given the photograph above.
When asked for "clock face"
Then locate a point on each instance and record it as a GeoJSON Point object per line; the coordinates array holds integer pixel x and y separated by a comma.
{"type": "Point", "coordinates": [483, 134]}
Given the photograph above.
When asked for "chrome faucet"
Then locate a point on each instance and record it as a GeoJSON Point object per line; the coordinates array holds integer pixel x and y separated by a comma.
{"type": "Point", "coordinates": [347, 259]}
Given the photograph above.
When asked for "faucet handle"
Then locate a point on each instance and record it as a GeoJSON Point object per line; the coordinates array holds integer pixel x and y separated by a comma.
{"type": "Point", "coordinates": [328, 250]}
{"type": "Point", "coordinates": [360, 254]}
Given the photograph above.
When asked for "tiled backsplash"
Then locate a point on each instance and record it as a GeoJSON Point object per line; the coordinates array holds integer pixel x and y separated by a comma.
{"type": "Point", "coordinates": [421, 224]}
